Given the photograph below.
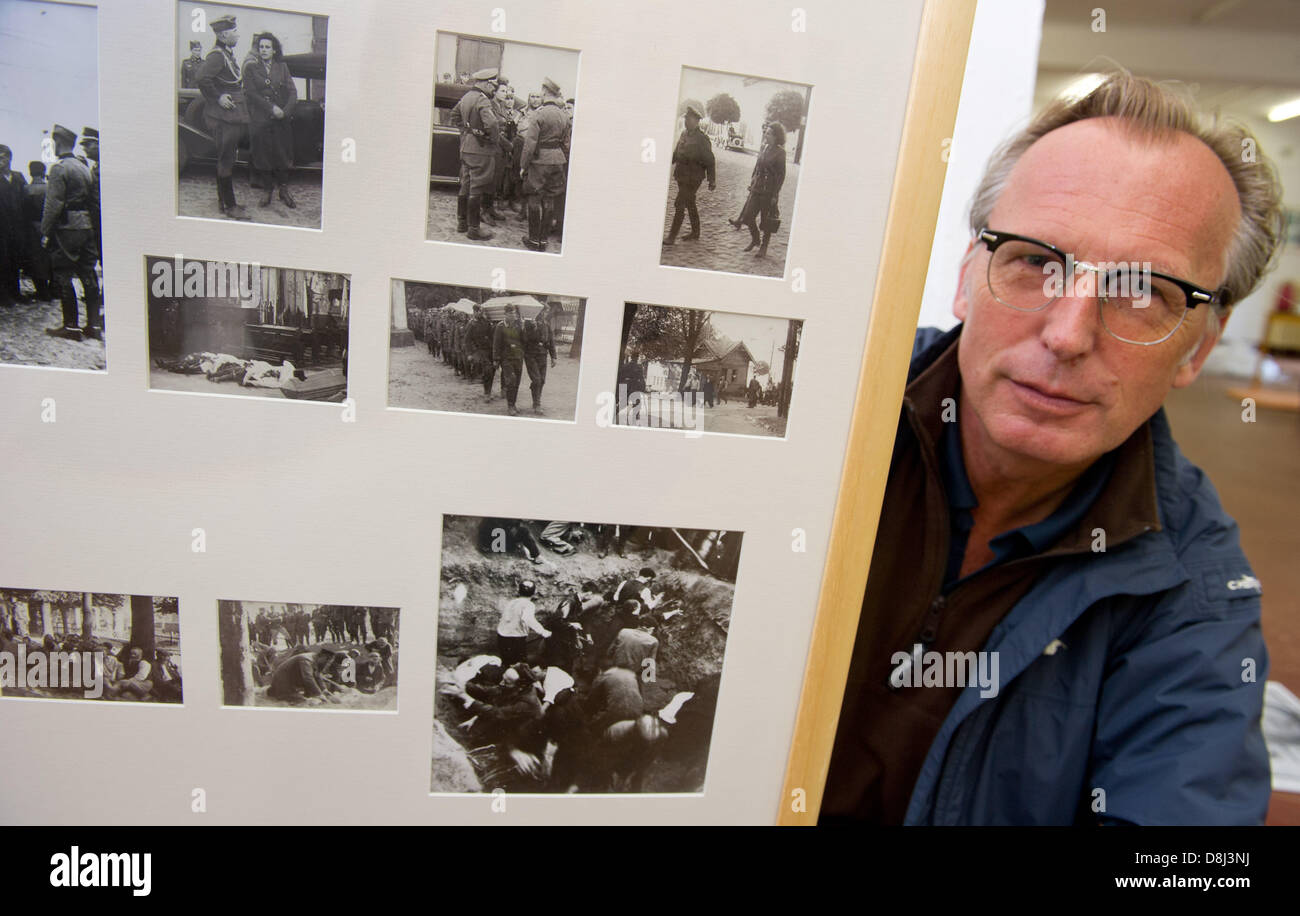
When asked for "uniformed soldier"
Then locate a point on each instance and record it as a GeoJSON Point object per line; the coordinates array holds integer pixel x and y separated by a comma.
{"type": "Point", "coordinates": [693, 161]}
{"type": "Point", "coordinates": [190, 66]}
{"type": "Point", "coordinates": [90, 143]}
{"type": "Point", "coordinates": [69, 236]}
{"type": "Point", "coordinates": [508, 353]}
{"type": "Point", "coordinates": [539, 342]}
{"type": "Point", "coordinates": [225, 114]}
{"type": "Point", "coordinates": [542, 162]}
{"type": "Point", "coordinates": [502, 107]}
{"type": "Point", "coordinates": [479, 141]}
{"type": "Point", "coordinates": [479, 338]}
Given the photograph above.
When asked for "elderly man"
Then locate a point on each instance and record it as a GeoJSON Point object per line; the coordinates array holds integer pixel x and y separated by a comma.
{"type": "Point", "coordinates": [1040, 521]}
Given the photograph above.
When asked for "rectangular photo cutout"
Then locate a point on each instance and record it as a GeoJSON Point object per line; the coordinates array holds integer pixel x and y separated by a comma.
{"type": "Point", "coordinates": [468, 349]}
{"type": "Point", "coordinates": [250, 114]}
{"type": "Point", "coordinates": [90, 646]}
{"type": "Point", "coordinates": [502, 124]}
{"type": "Point", "coordinates": [51, 276]}
{"type": "Point", "coordinates": [226, 327]}
{"type": "Point", "coordinates": [577, 657]}
{"type": "Point", "coordinates": [704, 371]}
{"type": "Point", "coordinates": [737, 149]}
{"type": "Point", "coordinates": [331, 656]}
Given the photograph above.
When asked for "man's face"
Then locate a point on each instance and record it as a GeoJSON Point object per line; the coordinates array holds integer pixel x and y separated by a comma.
{"type": "Point", "coordinates": [534, 100]}
{"type": "Point", "coordinates": [196, 53]}
{"type": "Point", "coordinates": [5, 159]}
{"type": "Point", "coordinates": [229, 38]}
{"type": "Point", "coordinates": [92, 148]}
{"type": "Point", "coordinates": [1052, 386]}
{"type": "Point", "coordinates": [692, 121]}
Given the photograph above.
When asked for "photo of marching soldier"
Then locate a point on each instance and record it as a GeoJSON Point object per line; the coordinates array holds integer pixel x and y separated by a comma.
{"type": "Point", "coordinates": [331, 656]}
{"type": "Point", "coordinates": [250, 114]}
{"type": "Point", "coordinates": [737, 145]}
{"type": "Point", "coordinates": [699, 370]}
{"type": "Point", "coordinates": [578, 658]}
{"type": "Point", "coordinates": [500, 146]}
{"type": "Point", "coordinates": [89, 646]}
{"type": "Point", "coordinates": [51, 304]}
{"type": "Point", "coordinates": [468, 349]}
{"type": "Point", "coordinates": [274, 332]}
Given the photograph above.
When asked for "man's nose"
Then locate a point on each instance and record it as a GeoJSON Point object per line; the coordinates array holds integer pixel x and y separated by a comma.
{"type": "Point", "coordinates": [1071, 323]}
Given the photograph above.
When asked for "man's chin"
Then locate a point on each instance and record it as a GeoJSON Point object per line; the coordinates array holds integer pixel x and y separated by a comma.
{"type": "Point", "coordinates": [1048, 443]}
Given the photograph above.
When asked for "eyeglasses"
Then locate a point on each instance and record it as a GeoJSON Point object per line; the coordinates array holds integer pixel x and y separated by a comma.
{"type": "Point", "coordinates": [1138, 305]}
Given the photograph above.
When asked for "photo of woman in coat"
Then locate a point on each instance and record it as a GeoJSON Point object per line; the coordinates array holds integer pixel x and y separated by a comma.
{"type": "Point", "coordinates": [764, 189]}
{"type": "Point", "coordinates": [270, 94]}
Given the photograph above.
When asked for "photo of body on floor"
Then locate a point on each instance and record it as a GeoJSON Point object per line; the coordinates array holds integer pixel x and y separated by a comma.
{"type": "Point", "coordinates": [579, 658]}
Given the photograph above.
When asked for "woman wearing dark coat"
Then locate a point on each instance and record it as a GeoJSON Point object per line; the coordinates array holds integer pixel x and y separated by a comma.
{"type": "Point", "coordinates": [270, 93]}
{"type": "Point", "coordinates": [764, 189]}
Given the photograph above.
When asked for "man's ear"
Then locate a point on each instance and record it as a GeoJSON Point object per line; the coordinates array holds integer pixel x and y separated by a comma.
{"type": "Point", "coordinates": [959, 301]}
{"type": "Point", "coordinates": [1191, 367]}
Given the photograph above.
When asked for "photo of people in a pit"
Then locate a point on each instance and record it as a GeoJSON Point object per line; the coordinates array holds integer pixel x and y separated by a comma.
{"type": "Point", "coordinates": [578, 658]}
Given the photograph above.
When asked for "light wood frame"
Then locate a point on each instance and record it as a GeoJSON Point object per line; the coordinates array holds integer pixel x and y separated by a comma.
{"type": "Point", "coordinates": [909, 230]}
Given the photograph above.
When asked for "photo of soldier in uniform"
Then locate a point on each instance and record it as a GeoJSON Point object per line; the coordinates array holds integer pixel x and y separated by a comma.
{"type": "Point", "coordinates": [221, 327]}
{"type": "Point", "coordinates": [737, 147]}
{"type": "Point", "coordinates": [89, 646]}
{"type": "Point", "coordinates": [327, 656]}
{"type": "Point", "coordinates": [501, 142]}
{"type": "Point", "coordinates": [578, 657]}
{"type": "Point", "coordinates": [51, 276]}
{"type": "Point", "coordinates": [704, 371]}
{"type": "Point", "coordinates": [468, 349]}
{"type": "Point", "coordinates": [250, 114]}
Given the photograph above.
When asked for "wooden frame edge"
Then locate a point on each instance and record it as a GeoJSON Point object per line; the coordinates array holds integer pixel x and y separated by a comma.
{"type": "Point", "coordinates": [935, 90]}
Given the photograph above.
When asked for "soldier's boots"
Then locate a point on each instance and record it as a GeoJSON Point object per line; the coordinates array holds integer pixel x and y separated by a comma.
{"type": "Point", "coordinates": [270, 193]}
{"type": "Point", "coordinates": [753, 232]}
{"type": "Point", "coordinates": [229, 206]}
{"type": "Point", "coordinates": [762, 250]}
{"type": "Point", "coordinates": [678, 216]}
{"type": "Point", "coordinates": [462, 214]}
{"type": "Point", "coordinates": [287, 198]}
{"type": "Point", "coordinates": [534, 239]}
{"type": "Point", "coordinates": [69, 333]}
{"type": "Point", "coordinates": [475, 208]}
{"type": "Point", "coordinates": [695, 226]}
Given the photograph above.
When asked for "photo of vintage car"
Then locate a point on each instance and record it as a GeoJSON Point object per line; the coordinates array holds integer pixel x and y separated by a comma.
{"type": "Point", "coordinates": [444, 160]}
{"type": "Point", "coordinates": [195, 144]}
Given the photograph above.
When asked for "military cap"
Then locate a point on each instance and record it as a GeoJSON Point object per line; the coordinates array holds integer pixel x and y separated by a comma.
{"type": "Point", "coordinates": [61, 133]}
{"type": "Point", "coordinates": [223, 24]}
{"type": "Point", "coordinates": [486, 74]}
{"type": "Point", "coordinates": [89, 133]}
{"type": "Point", "coordinates": [692, 110]}
{"type": "Point", "coordinates": [551, 86]}
{"type": "Point", "coordinates": [196, 44]}
{"type": "Point", "coordinates": [6, 150]}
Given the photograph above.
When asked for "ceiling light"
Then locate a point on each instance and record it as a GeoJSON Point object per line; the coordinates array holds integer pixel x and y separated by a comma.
{"type": "Point", "coordinates": [1286, 110]}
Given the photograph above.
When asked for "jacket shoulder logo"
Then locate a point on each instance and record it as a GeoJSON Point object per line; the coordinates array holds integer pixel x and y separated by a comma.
{"type": "Point", "coordinates": [1249, 583]}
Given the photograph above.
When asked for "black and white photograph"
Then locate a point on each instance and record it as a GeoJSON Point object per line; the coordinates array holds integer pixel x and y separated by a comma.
{"type": "Point", "coordinates": [235, 328]}
{"type": "Point", "coordinates": [51, 276]}
{"type": "Point", "coordinates": [578, 658]}
{"type": "Point", "coordinates": [704, 371]}
{"type": "Point", "coordinates": [468, 349]}
{"type": "Point", "coordinates": [250, 114]}
{"type": "Point", "coordinates": [503, 115]}
{"type": "Point", "coordinates": [89, 646]}
{"type": "Point", "coordinates": [327, 656]}
{"type": "Point", "coordinates": [737, 148]}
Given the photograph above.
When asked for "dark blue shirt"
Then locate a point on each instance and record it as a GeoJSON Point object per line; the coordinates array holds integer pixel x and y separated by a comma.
{"type": "Point", "coordinates": [1025, 541]}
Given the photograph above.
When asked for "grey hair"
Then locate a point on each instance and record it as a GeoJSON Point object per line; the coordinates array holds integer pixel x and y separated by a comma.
{"type": "Point", "coordinates": [1157, 110]}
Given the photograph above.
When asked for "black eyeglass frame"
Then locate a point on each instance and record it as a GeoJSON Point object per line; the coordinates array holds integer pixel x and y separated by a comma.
{"type": "Point", "coordinates": [1196, 295]}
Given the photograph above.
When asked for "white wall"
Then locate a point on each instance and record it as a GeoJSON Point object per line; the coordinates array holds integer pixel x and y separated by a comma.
{"type": "Point", "coordinates": [996, 99]}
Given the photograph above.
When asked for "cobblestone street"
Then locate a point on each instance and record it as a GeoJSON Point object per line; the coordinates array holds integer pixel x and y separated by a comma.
{"type": "Point", "coordinates": [23, 340]}
{"type": "Point", "coordinates": [196, 195]}
{"type": "Point", "coordinates": [720, 247]}
{"type": "Point", "coordinates": [440, 225]}
{"type": "Point", "coordinates": [424, 382]}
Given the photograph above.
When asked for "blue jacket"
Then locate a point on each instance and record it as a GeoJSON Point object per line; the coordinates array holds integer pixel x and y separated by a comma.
{"type": "Point", "coordinates": [1147, 710]}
